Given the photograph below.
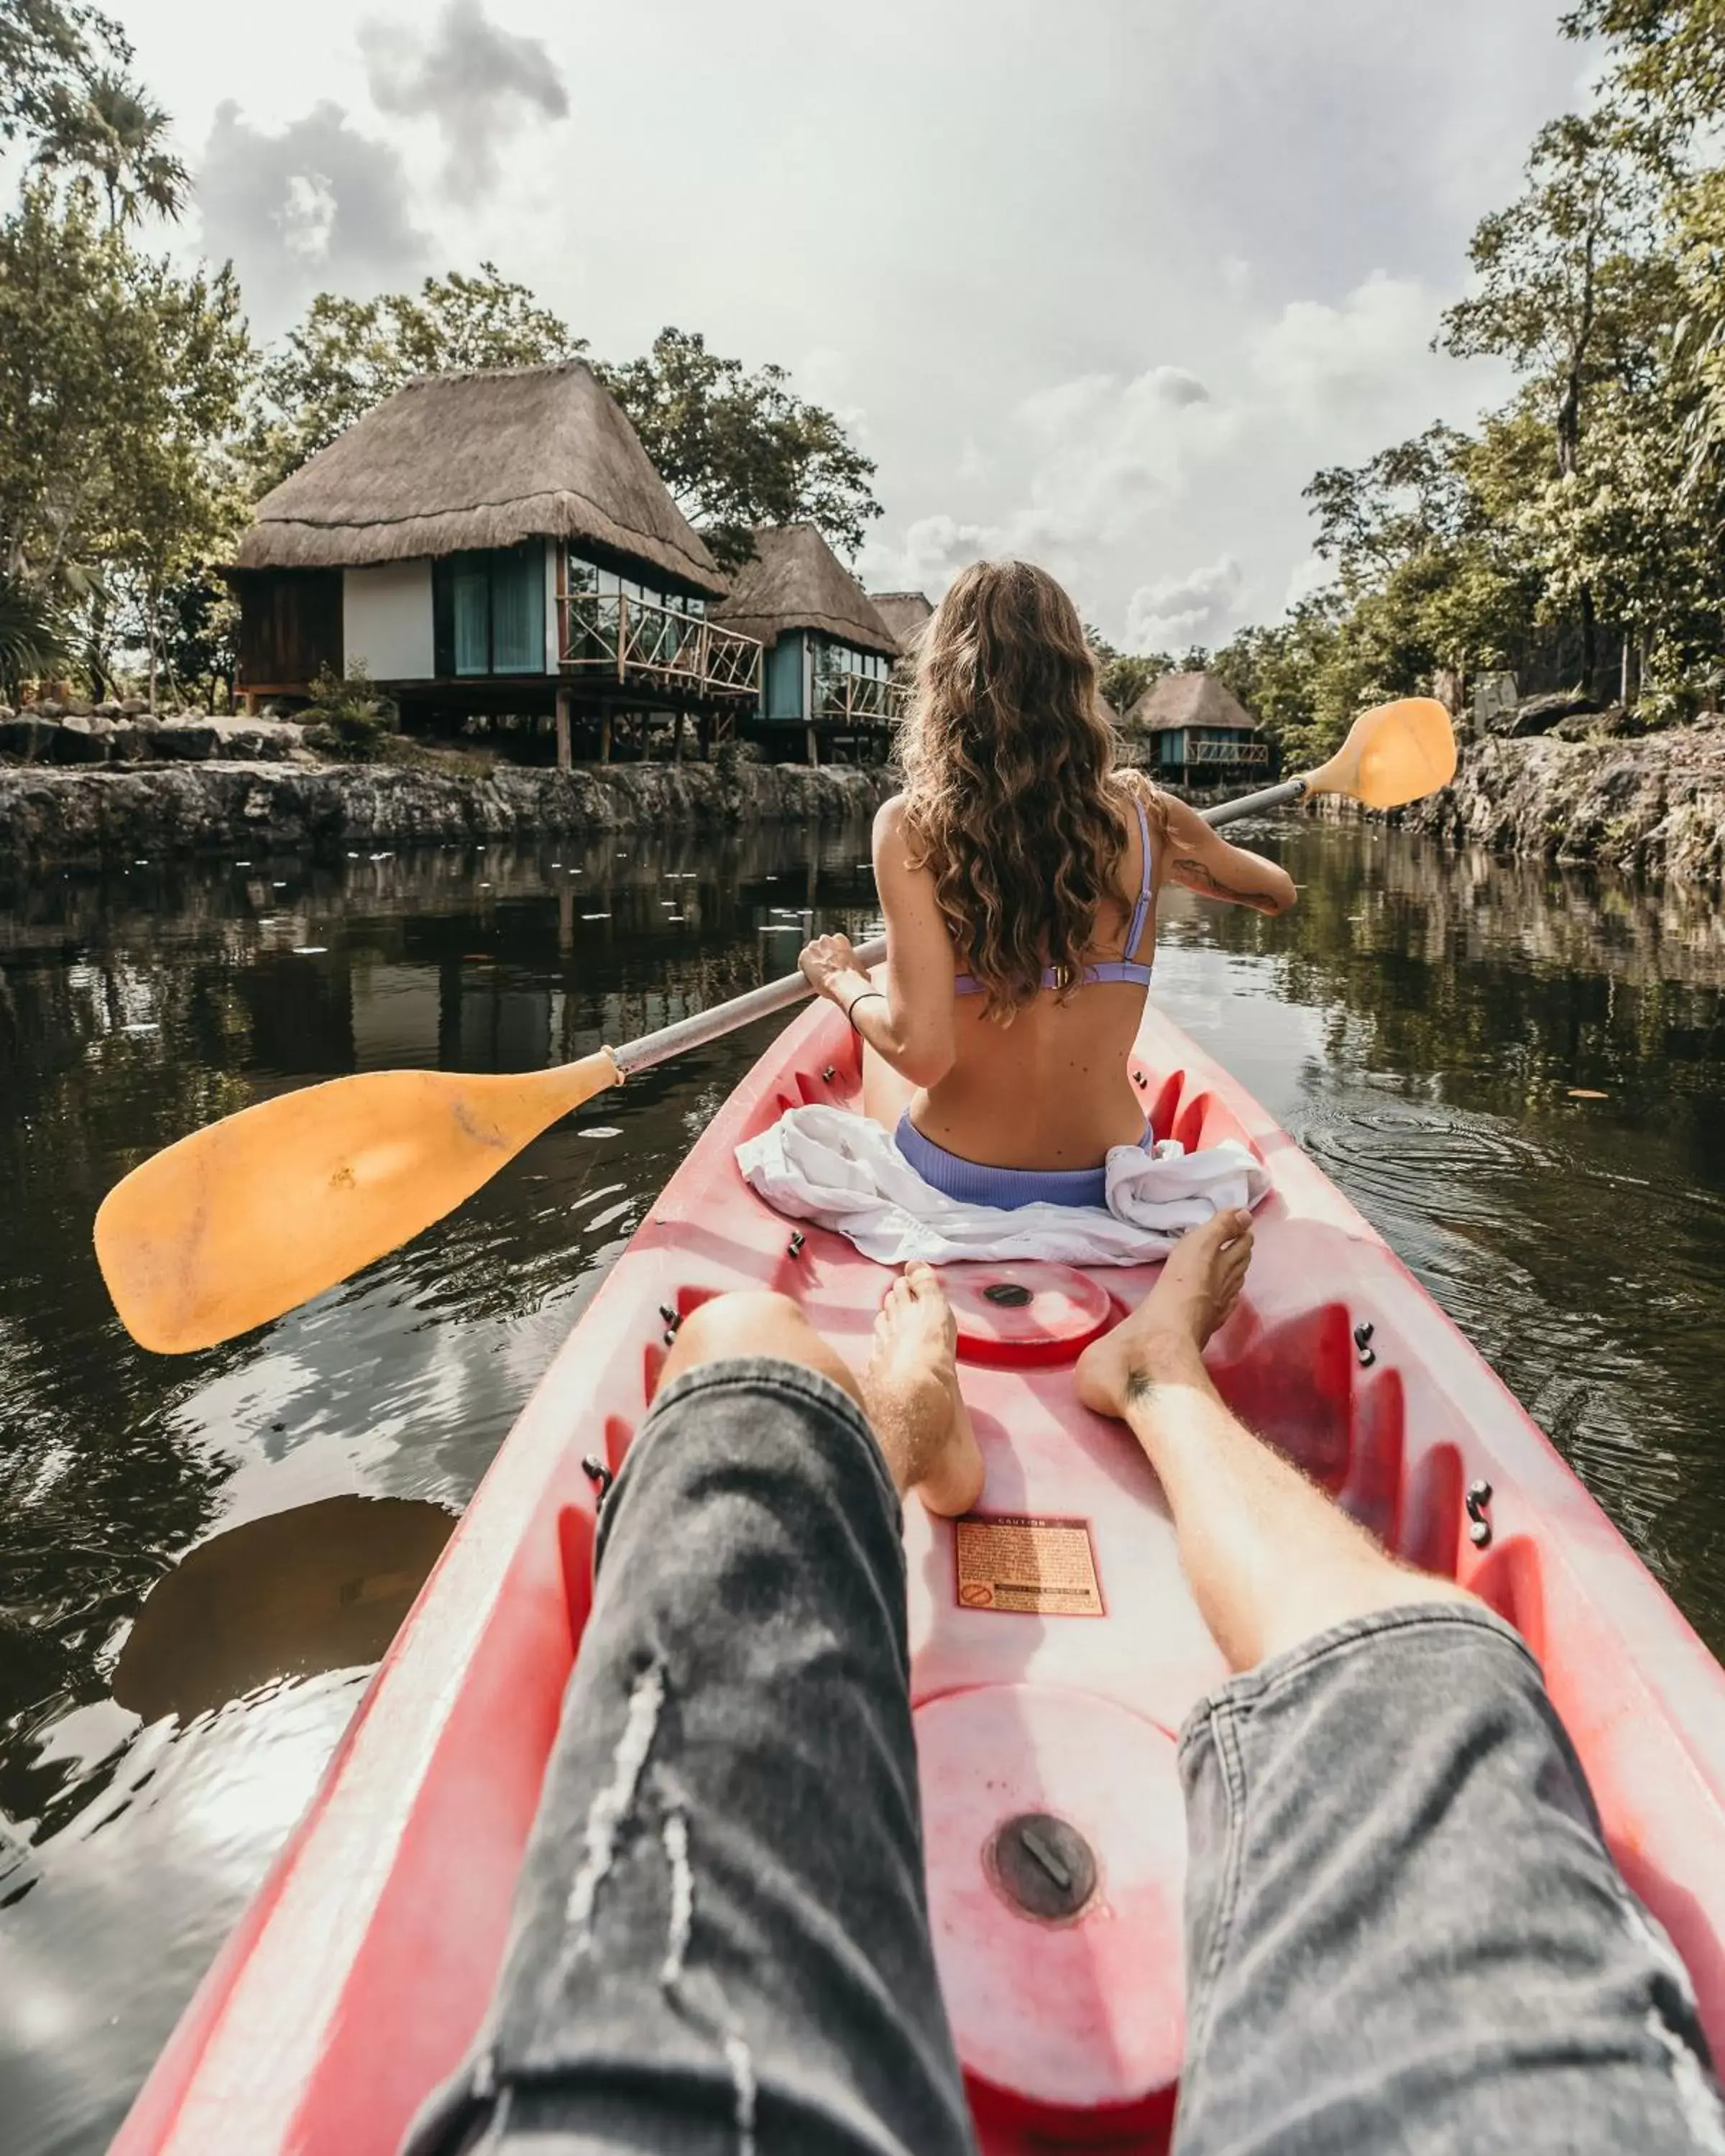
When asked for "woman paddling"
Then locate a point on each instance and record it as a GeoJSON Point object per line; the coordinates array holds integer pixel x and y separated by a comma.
{"type": "Point", "coordinates": [1017, 873]}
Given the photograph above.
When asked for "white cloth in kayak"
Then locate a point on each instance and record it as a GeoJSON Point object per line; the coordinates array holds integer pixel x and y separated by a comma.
{"type": "Point", "coordinates": [842, 1171]}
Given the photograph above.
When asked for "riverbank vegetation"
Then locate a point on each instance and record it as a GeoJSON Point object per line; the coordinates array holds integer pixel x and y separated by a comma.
{"type": "Point", "coordinates": [1576, 535]}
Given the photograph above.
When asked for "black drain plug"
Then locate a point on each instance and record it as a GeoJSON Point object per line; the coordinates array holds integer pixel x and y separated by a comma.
{"type": "Point", "coordinates": [1008, 1294]}
{"type": "Point", "coordinates": [1043, 1867]}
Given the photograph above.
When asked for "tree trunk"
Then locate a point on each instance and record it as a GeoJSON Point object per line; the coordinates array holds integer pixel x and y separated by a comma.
{"type": "Point", "coordinates": [1589, 637]}
{"type": "Point", "coordinates": [1623, 676]}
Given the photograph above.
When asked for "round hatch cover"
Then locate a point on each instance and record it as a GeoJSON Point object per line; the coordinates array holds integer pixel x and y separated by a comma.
{"type": "Point", "coordinates": [1032, 1312]}
{"type": "Point", "coordinates": [1056, 1846]}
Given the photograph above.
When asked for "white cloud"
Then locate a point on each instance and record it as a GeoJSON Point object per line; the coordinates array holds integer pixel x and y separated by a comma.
{"type": "Point", "coordinates": [1308, 578]}
{"type": "Point", "coordinates": [1318, 361]}
{"type": "Point", "coordinates": [1175, 612]}
{"type": "Point", "coordinates": [317, 202]}
{"type": "Point", "coordinates": [934, 549]}
{"type": "Point", "coordinates": [475, 80]}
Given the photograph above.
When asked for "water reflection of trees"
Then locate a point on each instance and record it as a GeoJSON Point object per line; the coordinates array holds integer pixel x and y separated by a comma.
{"type": "Point", "coordinates": [134, 1008]}
{"type": "Point", "coordinates": [1514, 980]}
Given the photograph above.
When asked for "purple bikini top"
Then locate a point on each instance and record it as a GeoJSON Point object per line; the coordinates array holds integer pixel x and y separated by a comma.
{"type": "Point", "coordinates": [1128, 968]}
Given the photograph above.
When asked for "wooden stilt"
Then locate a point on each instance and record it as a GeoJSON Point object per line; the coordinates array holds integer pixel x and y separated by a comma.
{"type": "Point", "coordinates": [566, 755]}
{"type": "Point", "coordinates": [605, 737]}
{"type": "Point", "coordinates": [812, 746]}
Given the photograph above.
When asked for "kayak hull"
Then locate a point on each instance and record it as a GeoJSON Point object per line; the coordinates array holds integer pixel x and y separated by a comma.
{"type": "Point", "coordinates": [1056, 1652]}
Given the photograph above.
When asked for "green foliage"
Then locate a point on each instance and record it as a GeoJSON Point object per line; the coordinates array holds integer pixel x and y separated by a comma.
{"type": "Point", "coordinates": [50, 50]}
{"type": "Point", "coordinates": [348, 355]}
{"type": "Point", "coordinates": [33, 638]}
{"type": "Point", "coordinates": [1124, 676]}
{"type": "Point", "coordinates": [196, 632]}
{"type": "Point", "coordinates": [350, 717]}
{"type": "Point", "coordinates": [739, 450]}
{"type": "Point", "coordinates": [109, 127]}
{"type": "Point", "coordinates": [1596, 495]}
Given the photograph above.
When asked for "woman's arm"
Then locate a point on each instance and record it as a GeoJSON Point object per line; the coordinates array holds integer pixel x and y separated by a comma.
{"type": "Point", "coordinates": [1201, 859]}
{"type": "Point", "coordinates": [907, 1018]}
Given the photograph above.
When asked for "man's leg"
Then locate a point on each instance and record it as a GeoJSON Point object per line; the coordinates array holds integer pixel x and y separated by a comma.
{"type": "Point", "coordinates": [721, 1940]}
{"type": "Point", "coordinates": [1403, 1931]}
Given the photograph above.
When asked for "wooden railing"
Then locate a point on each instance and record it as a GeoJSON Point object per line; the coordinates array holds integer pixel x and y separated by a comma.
{"type": "Point", "coordinates": [607, 635]}
{"type": "Point", "coordinates": [857, 699]}
{"type": "Point", "coordinates": [1249, 755]}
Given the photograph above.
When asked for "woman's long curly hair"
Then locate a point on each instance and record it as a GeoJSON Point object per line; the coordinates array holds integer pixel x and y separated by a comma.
{"type": "Point", "coordinates": [1012, 799]}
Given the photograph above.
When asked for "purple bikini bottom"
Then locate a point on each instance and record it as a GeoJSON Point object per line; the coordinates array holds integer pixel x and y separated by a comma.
{"type": "Point", "coordinates": [971, 1183]}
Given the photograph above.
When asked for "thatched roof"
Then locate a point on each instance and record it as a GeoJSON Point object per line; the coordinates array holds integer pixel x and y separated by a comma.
{"type": "Point", "coordinates": [794, 580]}
{"type": "Point", "coordinates": [907, 615]}
{"type": "Point", "coordinates": [1188, 700]}
{"type": "Point", "coordinates": [482, 459]}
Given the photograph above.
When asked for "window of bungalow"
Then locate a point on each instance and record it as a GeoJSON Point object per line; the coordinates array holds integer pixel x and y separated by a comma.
{"type": "Point", "coordinates": [488, 611]}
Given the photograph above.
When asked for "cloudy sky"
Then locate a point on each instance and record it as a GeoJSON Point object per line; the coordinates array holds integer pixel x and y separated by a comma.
{"type": "Point", "coordinates": [1101, 284]}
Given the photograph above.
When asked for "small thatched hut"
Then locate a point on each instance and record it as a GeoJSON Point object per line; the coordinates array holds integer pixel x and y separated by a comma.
{"type": "Point", "coordinates": [1198, 729]}
{"type": "Point", "coordinates": [907, 615]}
{"type": "Point", "coordinates": [829, 653]}
{"type": "Point", "coordinates": [489, 541]}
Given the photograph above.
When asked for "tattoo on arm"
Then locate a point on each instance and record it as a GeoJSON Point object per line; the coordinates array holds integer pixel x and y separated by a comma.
{"type": "Point", "coordinates": [1196, 877]}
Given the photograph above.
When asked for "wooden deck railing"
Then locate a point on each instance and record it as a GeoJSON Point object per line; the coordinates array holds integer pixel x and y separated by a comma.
{"type": "Point", "coordinates": [607, 635]}
{"type": "Point", "coordinates": [1251, 755]}
{"type": "Point", "coordinates": [857, 699]}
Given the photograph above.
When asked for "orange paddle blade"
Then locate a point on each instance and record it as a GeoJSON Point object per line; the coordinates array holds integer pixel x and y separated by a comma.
{"type": "Point", "coordinates": [1396, 754]}
{"type": "Point", "coordinates": [243, 1220]}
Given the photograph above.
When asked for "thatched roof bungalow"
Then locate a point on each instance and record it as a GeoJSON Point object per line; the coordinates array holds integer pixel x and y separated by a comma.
{"type": "Point", "coordinates": [829, 653]}
{"type": "Point", "coordinates": [907, 615]}
{"type": "Point", "coordinates": [1198, 730]}
{"type": "Point", "coordinates": [497, 536]}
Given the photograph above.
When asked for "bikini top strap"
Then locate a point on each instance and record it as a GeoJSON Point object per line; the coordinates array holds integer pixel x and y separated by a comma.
{"type": "Point", "coordinates": [1142, 909]}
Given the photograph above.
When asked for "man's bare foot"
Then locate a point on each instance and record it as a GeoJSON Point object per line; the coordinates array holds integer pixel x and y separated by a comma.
{"type": "Point", "coordinates": [1199, 1284]}
{"type": "Point", "coordinates": [911, 1389]}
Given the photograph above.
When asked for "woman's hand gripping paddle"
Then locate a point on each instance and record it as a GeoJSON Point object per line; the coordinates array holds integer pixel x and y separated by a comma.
{"type": "Point", "coordinates": [256, 1215]}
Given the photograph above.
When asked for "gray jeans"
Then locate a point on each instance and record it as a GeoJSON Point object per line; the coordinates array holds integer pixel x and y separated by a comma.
{"type": "Point", "coordinates": [1403, 1931]}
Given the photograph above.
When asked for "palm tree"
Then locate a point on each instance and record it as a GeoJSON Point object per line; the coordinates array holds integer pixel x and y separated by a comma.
{"type": "Point", "coordinates": [114, 130]}
{"type": "Point", "coordinates": [32, 638]}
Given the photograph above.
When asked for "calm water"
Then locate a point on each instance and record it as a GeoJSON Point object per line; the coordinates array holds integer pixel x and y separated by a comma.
{"type": "Point", "coordinates": [1419, 1025]}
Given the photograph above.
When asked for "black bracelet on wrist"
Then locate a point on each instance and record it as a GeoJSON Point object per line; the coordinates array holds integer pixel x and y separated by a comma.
{"type": "Point", "coordinates": [861, 996]}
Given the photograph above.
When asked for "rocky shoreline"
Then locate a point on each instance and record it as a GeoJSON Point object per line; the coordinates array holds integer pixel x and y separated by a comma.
{"type": "Point", "coordinates": [110, 813]}
{"type": "Point", "coordinates": [1652, 806]}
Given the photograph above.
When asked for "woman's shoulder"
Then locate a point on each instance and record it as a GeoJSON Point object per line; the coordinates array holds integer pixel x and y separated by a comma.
{"type": "Point", "coordinates": [890, 824]}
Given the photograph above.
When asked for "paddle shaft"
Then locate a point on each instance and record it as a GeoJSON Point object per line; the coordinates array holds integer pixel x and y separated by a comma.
{"type": "Point", "coordinates": [773, 996]}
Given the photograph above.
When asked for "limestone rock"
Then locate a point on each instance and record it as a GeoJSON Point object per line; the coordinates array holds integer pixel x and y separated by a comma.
{"type": "Point", "coordinates": [1538, 715]}
{"type": "Point", "coordinates": [75, 740]}
{"type": "Point", "coordinates": [185, 744]}
{"type": "Point", "coordinates": [28, 738]}
{"type": "Point", "coordinates": [167, 808]}
{"type": "Point", "coordinates": [1655, 805]}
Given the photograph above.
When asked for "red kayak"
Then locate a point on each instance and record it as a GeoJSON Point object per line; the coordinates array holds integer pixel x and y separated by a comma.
{"type": "Point", "coordinates": [1055, 1650]}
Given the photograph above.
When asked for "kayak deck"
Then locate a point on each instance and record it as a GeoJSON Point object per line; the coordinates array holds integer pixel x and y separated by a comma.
{"type": "Point", "coordinates": [1055, 1650]}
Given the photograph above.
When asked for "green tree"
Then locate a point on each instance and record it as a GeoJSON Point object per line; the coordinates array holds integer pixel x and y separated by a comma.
{"type": "Point", "coordinates": [112, 127]}
{"type": "Point", "coordinates": [1123, 677]}
{"type": "Point", "coordinates": [33, 637]}
{"type": "Point", "coordinates": [74, 346]}
{"type": "Point", "coordinates": [348, 355]}
{"type": "Point", "coordinates": [50, 52]}
{"type": "Point", "coordinates": [178, 499]}
{"type": "Point", "coordinates": [739, 450]}
{"type": "Point", "coordinates": [120, 395]}
{"type": "Point", "coordinates": [1569, 281]}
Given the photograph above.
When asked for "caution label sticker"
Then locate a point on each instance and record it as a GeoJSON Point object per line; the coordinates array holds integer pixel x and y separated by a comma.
{"type": "Point", "coordinates": [1026, 1567]}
